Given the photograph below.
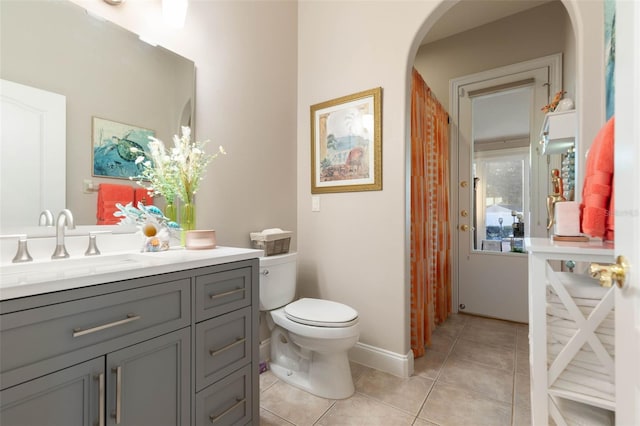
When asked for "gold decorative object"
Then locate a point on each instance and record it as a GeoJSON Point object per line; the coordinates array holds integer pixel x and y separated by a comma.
{"type": "Point", "coordinates": [554, 197]}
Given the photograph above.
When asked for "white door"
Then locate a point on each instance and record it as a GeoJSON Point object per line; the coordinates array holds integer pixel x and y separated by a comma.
{"type": "Point", "coordinates": [494, 180]}
{"type": "Point", "coordinates": [32, 152]}
{"type": "Point", "coordinates": [627, 211]}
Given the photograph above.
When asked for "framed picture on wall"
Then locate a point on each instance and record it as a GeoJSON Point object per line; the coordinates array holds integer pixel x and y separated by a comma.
{"type": "Point", "coordinates": [346, 143]}
{"type": "Point", "coordinates": [116, 146]}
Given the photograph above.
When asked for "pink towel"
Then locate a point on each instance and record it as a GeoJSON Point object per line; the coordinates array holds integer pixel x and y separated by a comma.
{"type": "Point", "coordinates": [108, 195]}
{"type": "Point", "coordinates": [597, 193]}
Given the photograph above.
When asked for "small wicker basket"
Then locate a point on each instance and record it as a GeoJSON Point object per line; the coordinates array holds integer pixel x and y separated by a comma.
{"type": "Point", "coordinates": [273, 243]}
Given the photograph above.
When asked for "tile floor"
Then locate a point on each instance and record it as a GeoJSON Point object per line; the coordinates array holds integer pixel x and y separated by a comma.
{"type": "Point", "coordinates": [475, 373]}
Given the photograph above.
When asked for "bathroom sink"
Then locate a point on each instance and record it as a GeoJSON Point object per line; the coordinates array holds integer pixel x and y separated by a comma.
{"type": "Point", "coordinates": [39, 271]}
{"type": "Point", "coordinates": [46, 275]}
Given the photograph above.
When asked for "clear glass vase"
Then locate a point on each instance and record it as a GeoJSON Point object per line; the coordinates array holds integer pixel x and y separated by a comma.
{"type": "Point", "coordinates": [188, 216]}
{"type": "Point", "coordinates": [171, 210]}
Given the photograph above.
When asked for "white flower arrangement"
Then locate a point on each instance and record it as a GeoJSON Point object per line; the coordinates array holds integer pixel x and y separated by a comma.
{"type": "Point", "coordinates": [177, 171]}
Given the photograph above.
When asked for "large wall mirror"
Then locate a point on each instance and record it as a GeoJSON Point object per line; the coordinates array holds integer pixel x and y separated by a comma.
{"type": "Point", "coordinates": [103, 71]}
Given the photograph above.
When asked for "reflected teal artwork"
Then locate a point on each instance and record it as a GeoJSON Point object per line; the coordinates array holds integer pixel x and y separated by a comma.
{"type": "Point", "coordinates": [116, 147]}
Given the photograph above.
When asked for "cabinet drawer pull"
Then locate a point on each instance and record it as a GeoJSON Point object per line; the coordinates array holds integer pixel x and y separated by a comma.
{"type": "Point", "coordinates": [226, 293]}
{"type": "Point", "coordinates": [225, 412]}
{"type": "Point", "coordinates": [77, 332]}
{"type": "Point", "coordinates": [100, 379]}
{"type": "Point", "coordinates": [239, 340]}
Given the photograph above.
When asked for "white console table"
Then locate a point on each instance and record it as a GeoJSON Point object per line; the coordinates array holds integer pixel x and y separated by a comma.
{"type": "Point", "coordinates": [548, 395]}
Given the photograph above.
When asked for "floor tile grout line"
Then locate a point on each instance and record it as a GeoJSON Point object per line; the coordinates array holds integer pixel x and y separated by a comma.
{"type": "Point", "coordinates": [433, 385]}
{"type": "Point", "coordinates": [324, 413]}
{"type": "Point", "coordinates": [280, 417]}
{"type": "Point", "coordinates": [439, 373]}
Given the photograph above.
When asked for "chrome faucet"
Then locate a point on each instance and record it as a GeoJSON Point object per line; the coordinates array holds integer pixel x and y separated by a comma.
{"type": "Point", "coordinates": [46, 218]}
{"type": "Point", "coordinates": [64, 218]}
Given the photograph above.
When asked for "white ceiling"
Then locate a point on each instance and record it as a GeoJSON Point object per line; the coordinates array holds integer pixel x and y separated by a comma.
{"type": "Point", "coordinates": [469, 14]}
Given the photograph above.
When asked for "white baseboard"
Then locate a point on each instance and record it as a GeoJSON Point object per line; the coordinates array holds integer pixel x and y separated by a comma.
{"type": "Point", "coordinates": [382, 359]}
{"type": "Point", "coordinates": [370, 356]}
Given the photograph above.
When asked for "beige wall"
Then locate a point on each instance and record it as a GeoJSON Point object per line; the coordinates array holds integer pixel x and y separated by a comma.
{"type": "Point", "coordinates": [245, 56]}
{"type": "Point", "coordinates": [355, 249]}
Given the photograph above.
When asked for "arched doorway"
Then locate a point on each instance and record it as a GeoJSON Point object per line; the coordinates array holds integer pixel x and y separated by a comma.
{"type": "Point", "coordinates": [484, 48]}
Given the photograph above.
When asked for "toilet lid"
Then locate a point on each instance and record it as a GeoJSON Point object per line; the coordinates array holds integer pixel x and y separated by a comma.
{"type": "Point", "coordinates": [321, 313]}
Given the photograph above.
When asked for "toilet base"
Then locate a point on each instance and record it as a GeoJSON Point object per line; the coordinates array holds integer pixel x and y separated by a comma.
{"type": "Point", "coordinates": [328, 376]}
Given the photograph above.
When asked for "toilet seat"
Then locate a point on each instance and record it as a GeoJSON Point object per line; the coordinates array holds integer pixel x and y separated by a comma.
{"type": "Point", "coordinates": [321, 313]}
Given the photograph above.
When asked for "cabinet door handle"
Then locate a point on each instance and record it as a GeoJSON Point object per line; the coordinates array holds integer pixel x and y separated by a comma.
{"type": "Point", "coordinates": [118, 411]}
{"type": "Point", "coordinates": [100, 379]}
{"type": "Point", "coordinates": [225, 412]}
{"type": "Point", "coordinates": [226, 293]}
{"type": "Point", "coordinates": [239, 340]}
{"type": "Point", "coordinates": [77, 332]}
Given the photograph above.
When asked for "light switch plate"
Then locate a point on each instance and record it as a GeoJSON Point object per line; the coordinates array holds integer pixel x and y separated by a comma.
{"type": "Point", "coordinates": [315, 204]}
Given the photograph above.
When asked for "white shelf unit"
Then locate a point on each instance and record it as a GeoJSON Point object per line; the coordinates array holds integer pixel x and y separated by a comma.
{"type": "Point", "coordinates": [565, 335]}
{"type": "Point", "coordinates": [558, 132]}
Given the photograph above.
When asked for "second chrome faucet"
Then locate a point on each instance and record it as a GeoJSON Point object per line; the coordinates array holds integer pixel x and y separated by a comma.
{"type": "Point", "coordinates": [65, 218]}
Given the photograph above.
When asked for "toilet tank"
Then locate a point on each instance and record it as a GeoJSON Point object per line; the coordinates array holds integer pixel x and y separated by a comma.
{"type": "Point", "coordinates": [277, 281]}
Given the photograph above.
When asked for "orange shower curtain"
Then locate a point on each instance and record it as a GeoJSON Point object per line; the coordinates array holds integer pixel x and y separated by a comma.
{"type": "Point", "coordinates": [430, 229]}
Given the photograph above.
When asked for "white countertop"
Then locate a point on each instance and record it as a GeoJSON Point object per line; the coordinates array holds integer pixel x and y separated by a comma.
{"type": "Point", "coordinates": [547, 245]}
{"type": "Point", "coordinates": [38, 277]}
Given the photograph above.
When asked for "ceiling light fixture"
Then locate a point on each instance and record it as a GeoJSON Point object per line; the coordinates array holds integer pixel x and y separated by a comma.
{"type": "Point", "coordinates": [174, 12]}
{"type": "Point", "coordinates": [114, 2]}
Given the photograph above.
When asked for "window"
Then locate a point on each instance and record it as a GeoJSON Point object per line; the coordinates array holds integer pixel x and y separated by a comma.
{"type": "Point", "coordinates": [501, 188]}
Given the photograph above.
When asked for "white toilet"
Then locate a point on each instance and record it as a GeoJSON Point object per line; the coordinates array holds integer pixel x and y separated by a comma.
{"type": "Point", "coordinates": [309, 337]}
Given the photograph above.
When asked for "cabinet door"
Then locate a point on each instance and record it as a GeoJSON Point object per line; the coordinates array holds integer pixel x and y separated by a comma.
{"type": "Point", "coordinates": [68, 397]}
{"type": "Point", "coordinates": [149, 382]}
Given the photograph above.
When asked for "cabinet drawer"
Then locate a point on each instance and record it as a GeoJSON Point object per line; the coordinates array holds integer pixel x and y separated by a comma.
{"type": "Point", "coordinates": [223, 344]}
{"type": "Point", "coordinates": [54, 334]}
{"type": "Point", "coordinates": [227, 402]}
{"type": "Point", "coordinates": [222, 292]}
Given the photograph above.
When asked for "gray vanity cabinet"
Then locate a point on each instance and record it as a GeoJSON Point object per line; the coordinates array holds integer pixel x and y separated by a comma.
{"type": "Point", "coordinates": [171, 349]}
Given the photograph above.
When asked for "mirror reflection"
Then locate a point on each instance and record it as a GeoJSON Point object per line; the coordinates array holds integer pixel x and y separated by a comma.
{"type": "Point", "coordinates": [102, 70]}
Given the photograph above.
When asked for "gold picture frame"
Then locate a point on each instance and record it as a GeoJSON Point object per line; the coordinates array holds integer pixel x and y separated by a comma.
{"type": "Point", "coordinates": [346, 143]}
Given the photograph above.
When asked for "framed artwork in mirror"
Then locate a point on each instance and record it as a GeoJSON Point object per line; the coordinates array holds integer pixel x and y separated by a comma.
{"type": "Point", "coordinates": [116, 146]}
{"type": "Point", "coordinates": [346, 143]}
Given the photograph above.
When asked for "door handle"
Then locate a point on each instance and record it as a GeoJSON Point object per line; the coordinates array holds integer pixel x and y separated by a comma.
{"type": "Point", "coordinates": [117, 413]}
{"type": "Point", "coordinates": [100, 379]}
{"type": "Point", "coordinates": [464, 227]}
{"type": "Point", "coordinates": [609, 274]}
